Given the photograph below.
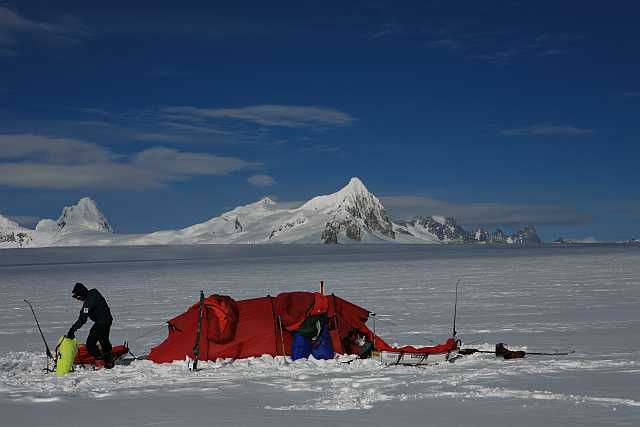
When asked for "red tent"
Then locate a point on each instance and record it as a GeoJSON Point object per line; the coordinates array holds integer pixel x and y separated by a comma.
{"type": "Point", "coordinates": [253, 327]}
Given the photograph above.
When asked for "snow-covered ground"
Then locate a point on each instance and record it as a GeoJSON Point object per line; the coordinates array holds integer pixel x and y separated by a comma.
{"type": "Point", "coordinates": [538, 299]}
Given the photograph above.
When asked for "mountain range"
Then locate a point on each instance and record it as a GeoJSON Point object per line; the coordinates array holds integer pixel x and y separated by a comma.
{"type": "Point", "coordinates": [351, 215]}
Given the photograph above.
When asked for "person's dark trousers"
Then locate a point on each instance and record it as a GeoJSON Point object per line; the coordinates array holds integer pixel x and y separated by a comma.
{"type": "Point", "coordinates": [99, 333]}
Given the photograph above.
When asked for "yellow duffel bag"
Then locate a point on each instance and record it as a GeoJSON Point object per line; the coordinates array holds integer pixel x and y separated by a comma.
{"type": "Point", "coordinates": [65, 355]}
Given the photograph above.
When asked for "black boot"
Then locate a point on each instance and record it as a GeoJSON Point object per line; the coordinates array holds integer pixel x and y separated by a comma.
{"type": "Point", "coordinates": [108, 361]}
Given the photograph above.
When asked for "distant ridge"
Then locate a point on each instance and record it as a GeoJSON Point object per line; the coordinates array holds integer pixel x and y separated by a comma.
{"type": "Point", "coordinates": [351, 215]}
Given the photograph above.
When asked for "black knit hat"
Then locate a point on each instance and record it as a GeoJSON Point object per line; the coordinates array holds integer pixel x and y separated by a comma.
{"type": "Point", "coordinates": [79, 291]}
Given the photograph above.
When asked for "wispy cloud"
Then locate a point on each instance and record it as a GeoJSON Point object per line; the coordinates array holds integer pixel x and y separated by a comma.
{"type": "Point", "coordinates": [487, 214]}
{"type": "Point", "coordinates": [206, 129]}
{"type": "Point", "coordinates": [634, 94]}
{"type": "Point", "coordinates": [95, 111]}
{"type": "Point", "coordinates": [38, 161]}
{"type": "Point", "coordinates": [65, 32]}
{"type": "Point", "coordinates": [546, 130]}
{"type": "Point", "coordinates": [445, 43]}
{"type": "Point", "coordinates": [261, 180]}
{"type": "Point", "coordinates": [155, 136]}
{"type": "Point", "coordinates": [173, 162]}
{"type": "Point", "coordinates": [154, 125]}
{"type": "Point", "coordinates": [553, 52]}
{"type": "Point", "coordinates": [389, 29]}
{"type": "Point", "coordinates": [271, 115]}
{"type": "Point", "coordinates": [320, 148]}
{"type": "Point", "coordinates": [51, 150]}
{"type": "Point", "coordinates": [500, 48]}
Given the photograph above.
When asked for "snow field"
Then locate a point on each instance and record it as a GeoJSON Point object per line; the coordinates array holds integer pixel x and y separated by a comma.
{"type": "Point", "coordinates": [541, 299]}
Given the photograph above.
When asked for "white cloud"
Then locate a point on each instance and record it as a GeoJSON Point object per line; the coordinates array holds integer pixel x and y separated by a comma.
{"type": "Point", "coordinates": [88, 176]}
{"type": "Point", "coordinates": [261, 180]}
{"type": "Point", "coordinates": [174, 162]}
{"type": "Point", "coordinates": [271, 115]}
{"type": "Point", "coordinates": [155, 136]}
{"type": "Point", "coordinates": [487, 214]}
{"type": "Point", "coordinates": [37, 161]}
{"type": "Point", "coordinates": [546, 130]}
{"type": "Point", "coordinates": [65, 33]}
{"type": "Point", "coordinates": [51, 150]}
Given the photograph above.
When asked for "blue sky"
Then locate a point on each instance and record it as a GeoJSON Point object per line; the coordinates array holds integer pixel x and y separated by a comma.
{"type": "Point", "coordinates": [498, 113]}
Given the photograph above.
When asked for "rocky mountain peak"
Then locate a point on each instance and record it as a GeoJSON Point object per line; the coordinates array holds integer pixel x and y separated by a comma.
{"type": "Point", "coordinates": [266, 201]}
{"type": "Point", "coordinates": [85, 215]}
{"type": "Point", "coordinates": [527, 236]}
{"type": "Point", "coordinates": [354, 186]}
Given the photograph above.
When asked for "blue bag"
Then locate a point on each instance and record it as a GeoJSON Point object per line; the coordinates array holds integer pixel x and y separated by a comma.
{"type": "Point", "coordinates": [322, 348]}
{"type": "Point", "coordinates": [300, 347]}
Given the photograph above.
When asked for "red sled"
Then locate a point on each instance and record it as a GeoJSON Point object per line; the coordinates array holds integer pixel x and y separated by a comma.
{"type": "Point", "coordinates": [83, 357]}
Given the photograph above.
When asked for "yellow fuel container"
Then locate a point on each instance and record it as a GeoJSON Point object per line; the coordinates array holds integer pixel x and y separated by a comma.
{"type": "Point", "coordinates": [65, 355]}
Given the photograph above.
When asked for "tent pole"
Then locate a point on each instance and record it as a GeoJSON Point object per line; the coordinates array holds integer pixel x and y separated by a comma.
{"type": "Point", "coordinates": [284, 354]}
{"type": "Point", "coordinates": [196, 347]}
{"type": "Point", "coordinates": [374, 330]}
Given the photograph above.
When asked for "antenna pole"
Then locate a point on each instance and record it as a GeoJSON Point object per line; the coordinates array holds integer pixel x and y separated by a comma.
{"type": "Point", "coordinates": [455, 310]}
{"type": "Point", "coordinates": [41, 334]}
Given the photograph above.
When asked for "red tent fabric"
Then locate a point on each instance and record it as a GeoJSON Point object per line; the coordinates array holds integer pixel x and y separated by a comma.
{"type": "Point", "coordinates": [265, 325]}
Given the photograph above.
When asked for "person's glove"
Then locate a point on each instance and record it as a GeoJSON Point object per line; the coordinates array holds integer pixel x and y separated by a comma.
{"type": "Point", "coordinates": [70, 335]}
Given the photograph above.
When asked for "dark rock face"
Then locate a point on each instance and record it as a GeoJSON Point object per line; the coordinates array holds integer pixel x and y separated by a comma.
{"type": "Point", "coordinates": [449, 231]}
{"type": "Point", "coordinates": [499, 236]}
{"type": "Point", "coordinates": [375, 218]}
{"type": "Point", "coordinates": [15, 237]}
{"type": "Point", "coordinates": [330, 234]}
{"type": "Point", "coordinates": [481, 235]}
{"type": "Point", "coordinates": [402, 229]}
{"type": "Point", "coordinates": [237, 225]}
{"type": "Point", "coordinates": [528, 236]}
{"type": "Point", "coordinates": [287, 226]}
{"type": "Point", "coordinates": [331, 231]}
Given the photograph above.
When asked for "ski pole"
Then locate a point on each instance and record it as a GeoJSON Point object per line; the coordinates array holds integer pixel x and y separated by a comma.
{"type": "Point", "coordinates": [41, 334]}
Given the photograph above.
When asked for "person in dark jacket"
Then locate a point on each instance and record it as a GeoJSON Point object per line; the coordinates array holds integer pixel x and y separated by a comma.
{"type": "Point", "coordinates": [94, 307]}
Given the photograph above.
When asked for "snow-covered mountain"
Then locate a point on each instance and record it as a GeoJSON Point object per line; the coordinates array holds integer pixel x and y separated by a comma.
{"type": "Point", "coordinates": [12, 234]}
{"type": "Point", "coordinates": [350, 215]}
{"type": "Point", "coordinates": [78, 225]}
{"type": "Point", "coordinates": [84, 216]}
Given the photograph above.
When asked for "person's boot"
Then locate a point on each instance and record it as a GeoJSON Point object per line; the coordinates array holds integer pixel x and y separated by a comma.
{"type": "Point", "coordinates": [108, 361]}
